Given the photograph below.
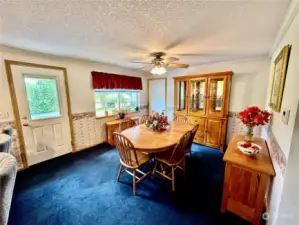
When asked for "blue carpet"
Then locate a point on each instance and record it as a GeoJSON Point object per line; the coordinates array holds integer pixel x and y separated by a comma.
{"type": "Point", "coordinates": [81, 188]}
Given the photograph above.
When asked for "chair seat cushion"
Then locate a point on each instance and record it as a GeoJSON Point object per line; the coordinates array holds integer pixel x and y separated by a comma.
{"type": "Point", "coordinates": [141, 157]}
{"type": "Point", "coordinates": [165, 157]}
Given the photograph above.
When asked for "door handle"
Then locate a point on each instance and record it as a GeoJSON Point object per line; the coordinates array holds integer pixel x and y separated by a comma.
{"type": "Point", "coordinates": [31, 125]}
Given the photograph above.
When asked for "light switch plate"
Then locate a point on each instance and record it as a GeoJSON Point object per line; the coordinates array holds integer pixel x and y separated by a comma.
{"type": "Point", "coordinates": [285, 116]}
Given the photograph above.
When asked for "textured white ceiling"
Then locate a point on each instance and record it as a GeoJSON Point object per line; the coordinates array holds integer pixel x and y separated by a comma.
{"type": "Point", "coordinates": [120, 31]}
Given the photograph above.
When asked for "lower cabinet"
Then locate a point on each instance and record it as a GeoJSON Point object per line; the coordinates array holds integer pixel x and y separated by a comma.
{"type": "Point", "coordinates": [246, 180]}
{"type": "Point", "coordinates": [200, 134]}
{"type": "Point", "coordinates": [211, 131]}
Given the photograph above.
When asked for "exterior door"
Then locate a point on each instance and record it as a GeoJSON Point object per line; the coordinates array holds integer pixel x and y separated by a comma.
{"type": "Point", "coordinates": [213, 132]}
{"type": "Point", "coordinates": [42, 103]}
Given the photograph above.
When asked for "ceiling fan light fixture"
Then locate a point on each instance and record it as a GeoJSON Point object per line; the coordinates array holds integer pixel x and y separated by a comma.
{"type": "Point", "coordinates": [158, 70]}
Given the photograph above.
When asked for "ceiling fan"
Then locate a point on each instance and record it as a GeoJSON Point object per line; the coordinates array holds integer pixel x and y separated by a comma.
{"type": "Point", "coordinates": [159, 63]}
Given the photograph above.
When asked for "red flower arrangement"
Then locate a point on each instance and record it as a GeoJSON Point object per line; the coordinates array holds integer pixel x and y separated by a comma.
{"type": "Point", "coordinates": [254, 116]}
{"type": "Point", "coordinates": [157, 122]}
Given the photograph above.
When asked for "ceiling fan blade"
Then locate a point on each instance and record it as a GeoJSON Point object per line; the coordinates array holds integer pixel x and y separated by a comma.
{"type": "Point", "coordinates": [211, 54]}
{"type": "Point", "coordinates": [192, 54]}
{"type": "Point", "coordinates": [176, 43]}
{"type": "Point", "coordinates": [178, 65]}
{"type": "Point", "coordinates": [141, 68]}
{"type": "Point", "coordinates": [142, 62]}
{"type": "Point", "coordinates": [170, 59]}
{"type": "Point", "coordinates": [132, 46]}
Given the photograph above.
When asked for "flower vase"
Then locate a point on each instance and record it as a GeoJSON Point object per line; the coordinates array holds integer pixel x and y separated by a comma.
{"type": "Point", "coordinates": [249, 133]}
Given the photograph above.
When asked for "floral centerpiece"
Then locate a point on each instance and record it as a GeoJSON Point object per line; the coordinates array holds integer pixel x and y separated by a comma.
{"type": "Point", "coordinates": [157, 121]}
{"type": "Point", "coordinates": [253, 116]}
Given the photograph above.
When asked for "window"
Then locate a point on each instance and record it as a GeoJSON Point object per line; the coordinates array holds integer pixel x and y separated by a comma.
{"type": "Point", "coordinates": [114, 100]}
{"type": "Point", "coordinates": [42, 97]}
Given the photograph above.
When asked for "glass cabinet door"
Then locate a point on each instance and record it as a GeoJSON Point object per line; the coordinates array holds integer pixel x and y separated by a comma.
{"type": "Point", "coordinates": [181, 96]}
{"type": "Point", "coordinates": [197, 96]}
{"type": "Point", "coordinates": [216, 96]}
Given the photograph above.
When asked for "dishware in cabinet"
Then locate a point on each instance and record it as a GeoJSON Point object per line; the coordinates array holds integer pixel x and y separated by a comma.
{"type": "Point", "coordinates": [216, 99]}
{"type": "Point", "coordinates": [197, 96]}
{"type": "Point", "coordinates": [204, 98]}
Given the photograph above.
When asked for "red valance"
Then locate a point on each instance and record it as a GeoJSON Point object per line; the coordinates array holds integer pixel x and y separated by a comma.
{"type": "Point", "coordinates": [114, 81]}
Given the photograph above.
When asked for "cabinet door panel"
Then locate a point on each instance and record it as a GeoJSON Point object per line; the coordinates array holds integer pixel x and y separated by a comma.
{"type": "Point", "coordinates": [216, 96]}
{"type": "Point", "coordinates": [213, 132]}
{"type": "Point", "coordinates": [200, 134]}
{"type": "Point", "coordinates": [180, 98]}
{"type": "Point", "coordinates": [242, 192]}
{"type": "Point", "coordinates": [197, 96]}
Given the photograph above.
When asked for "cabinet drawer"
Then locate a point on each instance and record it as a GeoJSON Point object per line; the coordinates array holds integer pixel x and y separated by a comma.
{"type": "Point", "coordinates": [197, 120]}
{"type": "Point", "coordinates": [200, 134]}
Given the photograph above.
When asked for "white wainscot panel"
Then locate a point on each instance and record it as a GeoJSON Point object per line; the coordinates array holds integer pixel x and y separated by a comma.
{"type": "Point", "coordinates": [58, 134]}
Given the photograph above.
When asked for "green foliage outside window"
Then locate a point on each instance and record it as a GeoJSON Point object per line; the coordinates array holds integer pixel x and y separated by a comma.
{"type": "Point", "coordinates": [112, 101]}
{"type": "Point", "coordinates": [42, 95]}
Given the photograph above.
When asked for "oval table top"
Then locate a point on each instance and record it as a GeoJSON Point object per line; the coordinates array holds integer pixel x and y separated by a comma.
{"type": "Point", "coordinates": [147, 140]}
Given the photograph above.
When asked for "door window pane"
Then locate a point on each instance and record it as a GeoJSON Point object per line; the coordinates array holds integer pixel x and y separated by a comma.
{"type": "Point", "coordinates": [216, 95]}
{"type": "Point", "coordinates": [42, 97]}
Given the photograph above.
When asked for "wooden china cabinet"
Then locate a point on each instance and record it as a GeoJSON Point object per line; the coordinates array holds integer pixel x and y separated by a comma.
{"type": "Point", "coordinates": [204, 99]}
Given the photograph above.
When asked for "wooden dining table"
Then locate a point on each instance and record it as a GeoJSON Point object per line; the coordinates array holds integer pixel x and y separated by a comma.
{"type": "Point", "coordinates": [146, 140]}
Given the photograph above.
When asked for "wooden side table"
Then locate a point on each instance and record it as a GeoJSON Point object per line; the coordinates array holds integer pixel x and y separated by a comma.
{"type": "Point", "coordinates": [111, 127]}
{"type": "Point", "coordinates": [246, 180]}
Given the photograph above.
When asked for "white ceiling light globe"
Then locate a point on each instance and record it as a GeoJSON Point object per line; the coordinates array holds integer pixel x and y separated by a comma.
{"type": "Point", "coordinates": [158, 70]}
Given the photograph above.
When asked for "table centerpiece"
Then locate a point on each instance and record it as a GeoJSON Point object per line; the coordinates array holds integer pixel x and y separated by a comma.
{"type": "Point", "coordinates": [157, 122]}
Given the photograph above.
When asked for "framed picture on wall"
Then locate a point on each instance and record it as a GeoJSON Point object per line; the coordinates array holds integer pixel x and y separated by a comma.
{"type": "Point", "coordinates": [278, 78]}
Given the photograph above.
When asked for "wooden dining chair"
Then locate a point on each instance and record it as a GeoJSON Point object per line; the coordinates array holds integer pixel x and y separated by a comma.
{"type": "Point", "coordinates": [126, 123]}
{"type": "Point", "coordinates": [181, 119]}
{"type": "Point", "coordinates": [143, 119]}
{"type": "Point", "coordinates": [130, 159]}
{"type": "Point", "coordinates": [174, 159]}
{"type": "Point", "coordinates": [188, 148]}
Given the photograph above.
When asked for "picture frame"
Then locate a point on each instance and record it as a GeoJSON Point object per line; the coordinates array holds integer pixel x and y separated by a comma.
{"type": "Point", "coordinates": [278, 78]}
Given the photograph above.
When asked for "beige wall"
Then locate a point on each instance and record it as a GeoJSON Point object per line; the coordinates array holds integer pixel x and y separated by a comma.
{"type": "Point", "coordinates": [79, 74]}
{"type": "Point", "coordinates": [88, 131]}
{"type": "Point", "coordinates": [249, 85]}
{"type": "Point", "coordinates": [283, 132]}
{"type": "Point", "coordinates": [284, 198]}
{"type": "Point", "coordinates": [249, 82]}
{"type": "Point", "coordinates": [288, 211]}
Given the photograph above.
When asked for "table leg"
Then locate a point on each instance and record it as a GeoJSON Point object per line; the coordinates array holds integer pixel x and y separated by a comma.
{"type": "Point", "coordinates": [111, 131]}
{"type": "Point", "coordinates": [107, 138]}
